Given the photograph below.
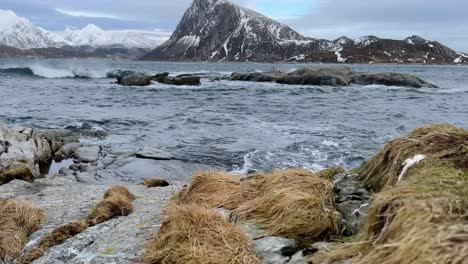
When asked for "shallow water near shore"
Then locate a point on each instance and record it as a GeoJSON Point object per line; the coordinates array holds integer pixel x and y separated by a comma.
{"type": "Point", "coordinates": [239, 126]}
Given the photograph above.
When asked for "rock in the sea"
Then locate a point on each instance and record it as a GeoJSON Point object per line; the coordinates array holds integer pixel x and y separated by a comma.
{"type": "Point", "coordinates": [391, 79]}
{"type": "Point", "coordinates": [332, 76]}
{"type": "Point", "coordinates": [120, 74]}
{"type": "Point", "coordinates": [87, 154]}
{"type": "Point", "coordinates": [275, 250]}
{"type": "Point", "coordinates": [152, 153]}
{"type": "Point", "coordinates": [136, 80]}
{"type": "Point", "coordinates": [186, 80]}
{"type": "Point", "coordinates": [160, 76]}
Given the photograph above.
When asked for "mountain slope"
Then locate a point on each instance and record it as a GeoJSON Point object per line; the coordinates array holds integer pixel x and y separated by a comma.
{"type": "Point", "coordinates": [20, 33]}
{"type": "Point", "coordinates": [218, 30]}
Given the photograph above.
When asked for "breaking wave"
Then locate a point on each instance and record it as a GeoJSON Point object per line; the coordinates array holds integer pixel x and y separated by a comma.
{"type": "Point", "coordinates": [54, 73]}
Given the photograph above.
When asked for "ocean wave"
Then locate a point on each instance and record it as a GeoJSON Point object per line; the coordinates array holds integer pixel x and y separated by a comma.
{"type": "Point", "coordinates": [54, 73]}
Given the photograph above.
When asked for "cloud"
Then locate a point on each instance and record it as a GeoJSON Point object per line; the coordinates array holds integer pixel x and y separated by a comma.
{"type": "Point", "coordinates": [78, 13]}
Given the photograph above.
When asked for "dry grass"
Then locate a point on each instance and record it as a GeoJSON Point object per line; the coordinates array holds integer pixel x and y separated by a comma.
{"type": "Point", "coordinates": [194, 234]}
{"type": "Point", "coordinates": [57, 237]}
{"type": "Point", "coordinates": [292, 203]}
{"type": "Point", "coordinates": [214, 189]}
{"type": "Point", "coordinates": [18, 220]}
{"type": "Point", "coordinates": [117, 202]}
{"type": "Point", "coordinates": [155, 183]}
{"type": "Point", "coordinates": [331, 172]}
{"type": "Point", "coordinates": [424, 218]}
{"type": "Point", "coordinates": [443, 142]}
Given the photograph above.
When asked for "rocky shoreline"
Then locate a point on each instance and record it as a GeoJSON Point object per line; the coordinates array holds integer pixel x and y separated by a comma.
{"type": "Point", "coordinates": [76, 191]}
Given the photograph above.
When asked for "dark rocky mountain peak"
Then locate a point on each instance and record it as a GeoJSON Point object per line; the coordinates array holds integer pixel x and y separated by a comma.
{"type": "Point", "coordinates": [218, 30]}
{"type": "Point", "coordinates": [415, 39]}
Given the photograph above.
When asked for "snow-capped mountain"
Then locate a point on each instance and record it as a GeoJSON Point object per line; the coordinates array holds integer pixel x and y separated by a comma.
{"type": "Point", "coordinates": [219, 30]}
{"type": "Point", "coordinates": [20, 33]}
{"type": "Point", "coordinates": [92, 35]}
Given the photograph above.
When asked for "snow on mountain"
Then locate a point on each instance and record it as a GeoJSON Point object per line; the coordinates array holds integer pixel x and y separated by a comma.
{"type": "Point", "coordinates": [94, 36]}
{"type": "Point", "coordinates": [20, 33]}
{"type": "Point", "coordinates": [218, 30]}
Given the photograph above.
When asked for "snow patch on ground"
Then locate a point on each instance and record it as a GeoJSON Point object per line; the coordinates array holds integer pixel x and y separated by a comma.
{"type": "Point", "coordinates": [410, 163]}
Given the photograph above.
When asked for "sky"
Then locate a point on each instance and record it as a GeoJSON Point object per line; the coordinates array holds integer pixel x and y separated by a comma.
{"type": "Point", "coordinates": [444, 21]}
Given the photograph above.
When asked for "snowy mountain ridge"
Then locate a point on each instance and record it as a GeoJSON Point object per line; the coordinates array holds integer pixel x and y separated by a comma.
{"type": "Point", "coordinates": [219, 30]}
{"type": "Point", "coordinates": [20, 33]}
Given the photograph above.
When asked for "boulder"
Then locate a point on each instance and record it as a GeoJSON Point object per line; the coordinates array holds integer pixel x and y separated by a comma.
{"type": "Point", "coordinates": [391, 79]}
{"type": "Point", "coordinates": [275, 250]}
{"type": "Point", "coordinates": [87, 154]}
{"type": "Point", "coordinates": [66, 151]}
{"type": "Point", "coordinates": [187, 80]}
{"type": "Point", "coordinates": [152, 153]}
{"type": "Point", "coordinates": [120, 74]}
{"type": "Point", "coordinates": [159, 76]}
{"type": "Point", "coordinates": [352, 202]}
{"type": "Point", "coordinates": [136, 80]}
{"type": "Point", "coordinates": [332, 76]}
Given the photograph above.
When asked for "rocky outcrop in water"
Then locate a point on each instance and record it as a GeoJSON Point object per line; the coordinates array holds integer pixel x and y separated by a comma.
{"type": "Point", "coordinates": [218, 30]}
{"type": "Point", "coordinates": [333, 76]}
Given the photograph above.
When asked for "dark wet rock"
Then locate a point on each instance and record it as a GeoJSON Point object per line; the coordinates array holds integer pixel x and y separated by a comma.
{"type": "Point", "coordinates": [352, 202]}
{"type": "Point", "coordinates": [136, 80]}
{"type": "Point", "coordinates": [391, 79]}
{"type": "Point", "coordinates": [160, 76]}
{"type": "Point", "coordinates": [66, 171]}
{"type": "Point", "coordinates": [152, 153]}
{"type": "Point", "coordinates": [187, 80]}
{"type": "Point", "coordinates": [87, 154]}
{"type": "Point", "coordinates": [120, 74]}
{"type": "Point", "coordinates": [332, 76]}
{"type": "Point", "coordinates": [66, 151]}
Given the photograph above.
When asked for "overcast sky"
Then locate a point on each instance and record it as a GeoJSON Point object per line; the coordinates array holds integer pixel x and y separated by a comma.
{"type": "Point", "coordinates": [444, 21]}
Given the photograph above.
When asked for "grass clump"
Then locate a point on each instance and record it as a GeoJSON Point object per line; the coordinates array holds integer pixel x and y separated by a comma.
{"type": "Point", "coordinates": [155, 183]}
{"type": "Point", "coordinates": [18, 220]}
{"type": "Point", "coordinates": [16, 171]}
{"type": "Point", "coordinates": [117, 202]}
{"type": "Point", "coordinates": [441, 142]}
{"type": "Point", "coordinates": [422, 219]}
{"type": "Point", "coordinates": [192, 234]}
{"type": "Point", "coordinates": [292, 203]}
{"type": "Point", "coordinates": [214, 189]}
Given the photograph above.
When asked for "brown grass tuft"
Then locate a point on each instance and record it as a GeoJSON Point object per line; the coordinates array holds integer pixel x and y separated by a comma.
{"type": "Point", "coordinates": [193, 234]}
{"type": "Point", "coordinates": [331, 172]}
{"type": "Point", "coordinates": [442, 142]}
{"type": "Point", "coordinates": [119, 190]}
{"type": "Point", "coordinates": [422, 219]}
{"type": "Point", "coordinates": [18, 220]}
{"type": "Point", "coordinates": [57, 237]}
{"type": "Point", "coordinates": [292, 203]}
{"type": "Point", "coordinates": [112, 206]}
{"type": "Point", "coordinates": [214, 189]}
{"type": "Point", "coordinates": [155, 183]}
{"type": "Point", "coordinates": [117, 202]}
